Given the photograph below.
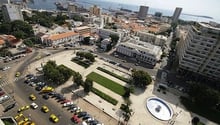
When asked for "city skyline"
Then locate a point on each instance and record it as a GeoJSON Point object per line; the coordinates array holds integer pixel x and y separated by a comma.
{"type": "Point", "coordinates": [205, 7]}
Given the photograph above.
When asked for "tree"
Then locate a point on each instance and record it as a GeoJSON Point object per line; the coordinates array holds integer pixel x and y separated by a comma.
{"type": "Point", "coordinates": [86, 41]}
{"type": "Point", "coordinates": [114, 38]}
{"type": "Point", "coordinates": [200, 92]}
{"type": "Point", "coordinates": [195, 120]}
{"type": "Point", "coordinates": [88, 84]}
{"type": "Point", "coordinates": [28, 43]}
{"type": "Point", "coordinates": [127, 111]}
{"type": "Point", "coordinates": [77, 78]}
{"type": "Point", "coordinates": [56, 74]}
{"type": "Point", "coordinates": [141, 78]}
{"type": "Point", "coordinates": [128, 91]}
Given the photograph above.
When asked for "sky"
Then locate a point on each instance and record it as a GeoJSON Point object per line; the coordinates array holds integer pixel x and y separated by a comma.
{"type": "Point", "coordinates": [198, 7]}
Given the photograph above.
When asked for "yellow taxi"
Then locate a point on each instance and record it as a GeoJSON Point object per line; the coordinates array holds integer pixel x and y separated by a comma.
{"type": "Point", "coordinates": [23, 121]}
{"type": "Point", "coordinates": [45, 109]}
{"type": "Point", "coordinates": [17, 74]}
{"type": "Point", "coordinates": [54, 118]}
{"type": "Point", "coordinates": [23, 108]}
{"type": "Point", "coordinates": [33, 97]}
{"type": "Point", "coordinates": [47, 89]}
{"type": "Point", "coordinates": [17, 117]}
{"type": "Point", "coordinates": [29, 123]}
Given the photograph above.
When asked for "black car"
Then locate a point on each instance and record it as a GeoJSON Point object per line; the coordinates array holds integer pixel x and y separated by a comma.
{"type": "Point", "coordinates": [46, 96]}
{"type": "Point", "coordinates": [27, 81]}
{"type": "Point", "coordinates": [59, 96]}
{"type": "Point", "coordinates": [86, 117]}
{"type": "Point", "coordinates": [93, 122]}
{"type": "Point", "coordinates": [38, 88]}
{"type": "Point", "coordinates": [71, 107]}
{"type": "Point", "coordinates": [52, 93]}
{"type": "Point", "coordinates": [55, 95]}
{"type": "Point", "coordinates": [81, 114]}
{"type": "Point", "coordinates": [29, 76]}
{"type": "Point", "coordinates": [9, 107]}
{"type": "Point", "coordinates": [61, 99]}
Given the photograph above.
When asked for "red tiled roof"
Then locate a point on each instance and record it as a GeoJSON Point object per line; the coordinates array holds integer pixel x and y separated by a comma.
{"type": "Point", "coordinates": [62, 35]}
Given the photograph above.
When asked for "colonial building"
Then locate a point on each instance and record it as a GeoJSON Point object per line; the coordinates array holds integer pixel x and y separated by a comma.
{"type": "Point", "coordinates": [53, 40]}
{"type": "Point", "coordinates": [142, 51]}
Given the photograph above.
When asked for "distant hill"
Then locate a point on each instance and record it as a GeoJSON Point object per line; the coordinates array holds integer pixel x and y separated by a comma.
{"type": "Point", "coordinates": [208, 17]}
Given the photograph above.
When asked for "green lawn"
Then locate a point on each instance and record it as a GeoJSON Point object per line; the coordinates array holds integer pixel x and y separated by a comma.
{"type": "Point", "coordinates": [113, 86]}
{"type": "Point", "coordinates": [114, 75]}
{"type": "Point", "coordinates": [105, 96]}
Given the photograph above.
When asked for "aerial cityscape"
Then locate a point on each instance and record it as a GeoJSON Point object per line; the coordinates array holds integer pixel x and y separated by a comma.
{"type": "Point", "coordinates": [108, 62]}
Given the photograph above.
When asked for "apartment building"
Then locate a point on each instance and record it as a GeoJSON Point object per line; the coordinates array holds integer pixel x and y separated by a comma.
{"type": "Point", "coordinates": [95, 10]}
{"type": "Point", "coordinates": [158, 40]}
{"type": "Point", "coordinates": [199, 50]}
{"type": "Point", "coordinates": [105, 33]}
{"type": "Point", "coordinates": [53, 40]}
{"type": "Point", "coordinates": [83, 30]}
{"type": "Point", "coordinates": [141, 51]}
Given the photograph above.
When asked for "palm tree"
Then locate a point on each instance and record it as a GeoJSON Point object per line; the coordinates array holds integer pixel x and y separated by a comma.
{"type": "Point", "coordinates": [127, 112]}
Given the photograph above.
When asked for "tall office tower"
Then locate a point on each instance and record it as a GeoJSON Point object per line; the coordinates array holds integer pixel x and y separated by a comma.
{"type": "Point", "coordinates": [72, 8]}
{"type": "Point", "coordinates": [176, 14]}
{"type": "Point", "coordinates": [12, 12]}
{"type": "Point", "coordinates": [199, 50]}
{"type": "Point", "coordinates": [143, 12]}
{"type": "Point", "coordinates": [95, 10]}
{"type": "Point", "coordinates": [2, 2]}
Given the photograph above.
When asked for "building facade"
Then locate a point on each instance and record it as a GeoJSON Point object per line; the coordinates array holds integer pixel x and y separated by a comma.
{"type": "Point", "coordinates": [141, 51]}
{"type": "Point", "coordinates": [158, 40]}
{"type": "Point", "coordinates": [105, 33]}
{"type": "Point", "coordinates": [176, 14]}
{"type": "Point", "coordinates": [199, 50]}
{"type": "Point", "coordinates": [143, 10]}
{"type": "Point", "coordinates": [56, 39]}
{"type": "Point", "coordinates": [95, 10]}
{"type": "Point", "coordinates": [12, 12]}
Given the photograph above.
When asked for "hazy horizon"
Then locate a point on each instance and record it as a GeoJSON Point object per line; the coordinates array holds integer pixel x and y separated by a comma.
{"type": "Point", "coordinates": [197, 7]}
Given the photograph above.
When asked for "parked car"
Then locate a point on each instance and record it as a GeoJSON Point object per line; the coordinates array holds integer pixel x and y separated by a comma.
{"type": "Point", "coordinates": [34, 105]}
{"type": "Point", "coordinates": [32, 97]}
{"type": "Point", "coordinates": [23, 108]}
{"type": "Point", "coordinates": [38, 88]}
{"type": "Point", "coordinates": [4, 98]}
{"type": "Point", "coordinates": [6, 68]}
{"type": "Point", "coordinates": [54, 118]}
{"type": "Point", "coordinates": [75, 119]}
{"type": "Point", "coordinates": [68, 104]}
{"type": "Point", "coordinates": [81, 114]}
{"type": "Point", "coordinates": [46, 96]}
{"type": "Point", "coordinates": [45, 109]}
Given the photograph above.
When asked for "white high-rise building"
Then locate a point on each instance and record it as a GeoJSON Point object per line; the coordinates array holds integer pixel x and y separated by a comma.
{"type": "Point", "coordinates": [176, 14]}
{"type": "Point", "coordinates": [199, 50]}
{"type": "Point", "coordinates": [143, 12]}
{"type": "Point", "coordinates": [12, 12]}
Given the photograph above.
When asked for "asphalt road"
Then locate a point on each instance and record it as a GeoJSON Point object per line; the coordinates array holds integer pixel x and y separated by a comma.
{"type": "Point", "coordinates": [21, 91]}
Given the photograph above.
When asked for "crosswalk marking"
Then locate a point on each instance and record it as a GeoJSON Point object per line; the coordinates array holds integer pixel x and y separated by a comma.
{"type": "Point", "coordinates": [3, 82]}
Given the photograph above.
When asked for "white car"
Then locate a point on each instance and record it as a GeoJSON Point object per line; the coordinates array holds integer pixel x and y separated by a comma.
{"type": "Point", "coordinates": [6, 68]}
{"type": "Point", "coordinates": [34, 105]}
{"type": "Point", "coordinates": [4, 98]}
{"type": "Point", "coordinates": [67, 104]}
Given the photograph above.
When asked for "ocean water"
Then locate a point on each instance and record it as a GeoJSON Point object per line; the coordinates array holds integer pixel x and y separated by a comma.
{"type": "Point", "coordinates": [49, 5]}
